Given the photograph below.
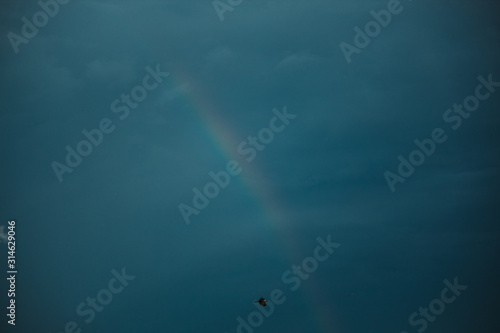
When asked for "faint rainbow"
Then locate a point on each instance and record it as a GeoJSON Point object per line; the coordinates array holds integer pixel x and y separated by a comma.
{"type": "Point", "coordinates": [273, 210]}
{"type": "Point", "coordinates": [224, 139]}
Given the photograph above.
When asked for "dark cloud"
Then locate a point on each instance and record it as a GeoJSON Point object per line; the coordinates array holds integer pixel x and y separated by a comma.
{"type": "Point", "coordinates": [323, 174]}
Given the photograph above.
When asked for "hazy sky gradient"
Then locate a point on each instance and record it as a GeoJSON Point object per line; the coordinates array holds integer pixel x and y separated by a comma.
{"type": "Point", "coordinates": [322, 175]}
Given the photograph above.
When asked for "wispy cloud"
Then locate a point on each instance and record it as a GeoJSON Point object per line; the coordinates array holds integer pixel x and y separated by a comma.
{"type": "Point", "coordinates": [297, 59]}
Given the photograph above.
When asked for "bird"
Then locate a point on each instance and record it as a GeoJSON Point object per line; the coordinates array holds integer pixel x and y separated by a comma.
{"type": "Point", "coordinates": [262, 301]}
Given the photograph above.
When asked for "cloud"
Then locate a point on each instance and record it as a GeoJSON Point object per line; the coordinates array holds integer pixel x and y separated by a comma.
{"type": "Point", "coordinates": [297, 59]}
{"type": "Point", "coordinates": [167, 95]}
{"type": "Point", "coordinates": [219, 57]}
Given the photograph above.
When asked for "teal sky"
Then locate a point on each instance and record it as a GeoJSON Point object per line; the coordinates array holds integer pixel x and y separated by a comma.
{"type": "Point", "coordinates": [123, 120]}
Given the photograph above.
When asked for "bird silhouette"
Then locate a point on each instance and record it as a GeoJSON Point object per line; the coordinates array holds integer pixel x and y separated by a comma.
{"type": "Point", "coordinates": [262, 301]}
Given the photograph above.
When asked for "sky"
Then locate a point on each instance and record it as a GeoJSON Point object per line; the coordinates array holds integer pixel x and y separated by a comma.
{"type": "Point", "coordinates": [167, 163]}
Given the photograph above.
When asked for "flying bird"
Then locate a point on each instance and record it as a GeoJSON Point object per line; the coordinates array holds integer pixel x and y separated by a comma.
{"type": "Point", "coordinates": [262, 301]}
